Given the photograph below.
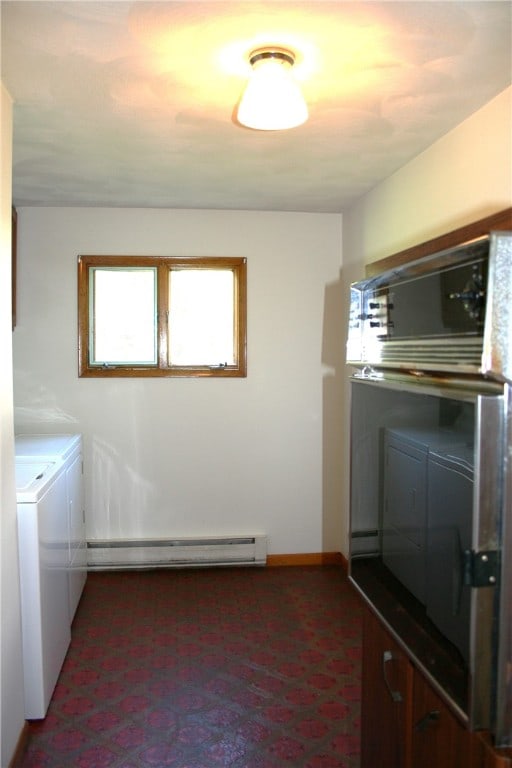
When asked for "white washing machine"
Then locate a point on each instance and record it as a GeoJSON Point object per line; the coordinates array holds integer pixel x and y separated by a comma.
{"type": "Point", "coordinates": [50, 447]}
{"type": "Point", "coordinates": [52, 556]}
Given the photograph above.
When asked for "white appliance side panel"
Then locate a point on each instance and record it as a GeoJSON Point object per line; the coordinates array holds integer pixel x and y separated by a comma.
{"type": "Point", "coordinates": [30, 587]}
{"type": "Point", "coordinates": [77, 539]}
{"type": "Point", "coordinates": [77, 578]}
{"type": "Point", "coordinates": [43, 532]}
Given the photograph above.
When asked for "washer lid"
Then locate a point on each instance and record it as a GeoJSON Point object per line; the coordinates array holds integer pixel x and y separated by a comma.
{"type": "Point", "coordinates": [47, 446]}
{"type": "Point", "coordinates": [34, 478]}
{"type": "Point", "coordinates": [29, 473]}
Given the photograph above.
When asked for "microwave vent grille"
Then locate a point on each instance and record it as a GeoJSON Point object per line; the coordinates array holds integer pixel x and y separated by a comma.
{"type": "Point", "coordinates": [432, 354]}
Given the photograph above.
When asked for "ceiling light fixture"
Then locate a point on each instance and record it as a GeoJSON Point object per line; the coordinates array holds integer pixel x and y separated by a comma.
{"type": "Point", "coordinates": [272, 100]}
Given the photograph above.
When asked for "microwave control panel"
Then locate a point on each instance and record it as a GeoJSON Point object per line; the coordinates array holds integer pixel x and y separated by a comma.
{"type": "Point", "coordinates": [424, 315]}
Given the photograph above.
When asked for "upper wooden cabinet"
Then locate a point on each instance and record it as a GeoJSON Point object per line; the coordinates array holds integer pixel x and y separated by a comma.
{"type": "Point", "coordinates": [497, 221]}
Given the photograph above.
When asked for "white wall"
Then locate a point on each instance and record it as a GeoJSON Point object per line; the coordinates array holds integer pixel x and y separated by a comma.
{"type": "Point", "coordinates": [463, 177]}
{"type": "Point", "coordinates": [11, 699]}
{"type": "Point", "coordinates": [172, 457]}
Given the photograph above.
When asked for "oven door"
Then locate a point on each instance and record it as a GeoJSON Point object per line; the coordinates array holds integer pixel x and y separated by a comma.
{"type": "Point", "coordinates": [426, 465]}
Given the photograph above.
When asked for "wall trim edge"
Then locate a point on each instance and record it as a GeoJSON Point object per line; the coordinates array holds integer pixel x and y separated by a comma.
{"type": "Point", "coordinates": [309, 558]}
{"type": "Point", "coordinates": [21, 746]}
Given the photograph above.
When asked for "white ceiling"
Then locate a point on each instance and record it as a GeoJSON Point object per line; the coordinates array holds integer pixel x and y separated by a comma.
{"type": "Point", "coordinates": [132, 103]}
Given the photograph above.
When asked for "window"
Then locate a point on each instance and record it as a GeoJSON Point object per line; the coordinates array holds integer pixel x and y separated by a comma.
{"type": "Point", "coordinates": [160, 316]}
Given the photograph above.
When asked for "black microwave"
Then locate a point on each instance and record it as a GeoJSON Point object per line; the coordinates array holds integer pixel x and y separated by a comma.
{"type": "Point", "coordinates": [449, 312]}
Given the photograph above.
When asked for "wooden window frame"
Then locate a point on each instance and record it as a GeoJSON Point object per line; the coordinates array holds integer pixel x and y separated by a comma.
{"type": "Point", "coordinates": [163, 265]}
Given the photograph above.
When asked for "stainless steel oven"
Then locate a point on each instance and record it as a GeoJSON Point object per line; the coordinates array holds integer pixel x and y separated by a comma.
{"type": "Point", "coordinates": [431, 468]}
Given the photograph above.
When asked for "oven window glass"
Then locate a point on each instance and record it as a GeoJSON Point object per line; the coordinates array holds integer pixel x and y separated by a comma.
{"type": "Point", "coordinates": [412, 466]}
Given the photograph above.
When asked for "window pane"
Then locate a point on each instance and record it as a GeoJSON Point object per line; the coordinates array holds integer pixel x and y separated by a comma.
{"type": "Point", "coordinates": [201, 324]}
{"type": "Point", "coordinates": [124, 329]}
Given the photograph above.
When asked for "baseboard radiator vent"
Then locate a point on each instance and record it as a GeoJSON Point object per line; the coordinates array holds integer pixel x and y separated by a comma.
{"type": "Point", "coordinates": [173, 553]}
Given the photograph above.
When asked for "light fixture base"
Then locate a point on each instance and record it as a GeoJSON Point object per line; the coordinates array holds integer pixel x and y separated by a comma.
{"type": "Point", "coordinates": [281, 54]}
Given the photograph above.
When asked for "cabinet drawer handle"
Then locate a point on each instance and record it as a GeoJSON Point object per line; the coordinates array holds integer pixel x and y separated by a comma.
{"type": "Point", "coordinates": [387, 656]}
{"type": "Point", "coordinates": [426, 720]}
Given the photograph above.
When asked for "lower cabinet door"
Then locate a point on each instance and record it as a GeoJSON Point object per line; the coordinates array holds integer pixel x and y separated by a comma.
{"type": "Point", "coordinates": [404, 722]}
{"type": "Point", "coordinates": [484, 755]}
{"type": "Point", "coordinates": [387, 687]}
{"type": "Point", "coordinates": [438, 738]}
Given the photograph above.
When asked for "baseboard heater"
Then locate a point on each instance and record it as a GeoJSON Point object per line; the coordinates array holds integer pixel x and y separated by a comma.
{"type": "Point", "coordinates": [168, 553]}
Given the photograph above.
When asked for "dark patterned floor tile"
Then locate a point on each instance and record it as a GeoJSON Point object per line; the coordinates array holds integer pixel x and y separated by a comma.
{"type": "Point", "coordinates": [213, 668]}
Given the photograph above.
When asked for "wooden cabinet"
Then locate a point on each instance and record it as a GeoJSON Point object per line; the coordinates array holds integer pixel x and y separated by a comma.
{"type": "Point", "coordinates": [483, 754]}
{"type": "Point", "coordinates": [404, 722]}
{"type": "Point", "coordinates": [438, 738]}
{"type": "Point", "coordinates": [386, 682]}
